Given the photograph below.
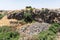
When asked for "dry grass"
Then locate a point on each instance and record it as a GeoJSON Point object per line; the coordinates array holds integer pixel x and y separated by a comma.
{"type": "Point", "coordinates": [4, 21]}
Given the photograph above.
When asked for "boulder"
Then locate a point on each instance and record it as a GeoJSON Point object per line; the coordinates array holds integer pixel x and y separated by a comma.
{"type": "Point", "coordinates": [17, 16]}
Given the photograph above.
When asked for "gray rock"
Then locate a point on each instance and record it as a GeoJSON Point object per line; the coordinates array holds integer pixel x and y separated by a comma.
{"type": "Point", "coordinates": [34, 29]}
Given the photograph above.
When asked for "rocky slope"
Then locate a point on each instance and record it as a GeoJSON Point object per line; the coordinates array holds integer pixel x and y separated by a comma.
{"type": "Point", "coordinates": [43, 18]}
{"type": "Point", "coordinates": [27, 31]}
{"type": "Point", "coordinates": [44, 15]}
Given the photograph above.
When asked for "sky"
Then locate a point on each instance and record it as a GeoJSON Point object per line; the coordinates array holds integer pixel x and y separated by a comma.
{"type": "Point", "coordinates": [20, 4]}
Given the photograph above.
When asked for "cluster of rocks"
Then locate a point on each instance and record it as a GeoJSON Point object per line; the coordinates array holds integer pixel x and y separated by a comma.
{"type": "Point", "coordinates": [44, 15]}
{"type": "Point", "coordinates": [34, 28]}
{"type": "Point", "coordinates": [18, 15]}
{"type": "Point", "coordinates": [28, 31]}
{"type": "Point", "coordinates": [48, 16]}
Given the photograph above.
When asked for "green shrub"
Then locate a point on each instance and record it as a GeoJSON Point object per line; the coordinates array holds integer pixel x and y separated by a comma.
{"type": "Point", "coordinates": [1, 16]}
{"type": "Point", "coordinates": [6, 33]}
{"type": "Point", "coordinates": [54, 27]}
{"type": "Point", "coordinates": [28, 17]}
{"type": "Point", "coordinates": [50, 34]}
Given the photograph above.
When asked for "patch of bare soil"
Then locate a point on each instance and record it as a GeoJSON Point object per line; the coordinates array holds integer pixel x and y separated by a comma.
{"type": "Point", "coordinates": [58, 36]}
{"type": "Point", "coordinates": [4, 21]}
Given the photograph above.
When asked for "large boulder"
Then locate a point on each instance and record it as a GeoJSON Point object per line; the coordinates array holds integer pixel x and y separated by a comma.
{"type": "Point", "coordinates": [17, 16]}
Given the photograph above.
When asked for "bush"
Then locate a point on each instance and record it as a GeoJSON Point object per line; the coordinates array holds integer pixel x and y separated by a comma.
{"type": "Point", "coordinates": [28, 17]}
{"type": "Point", "coordinates": [6, 33]}
{"type": "Point", "coordinates": [50, 34]}
{"type": "Point", "coordinates": [54, 27]}
{"type": "Point", "coordinates": [1, 16]}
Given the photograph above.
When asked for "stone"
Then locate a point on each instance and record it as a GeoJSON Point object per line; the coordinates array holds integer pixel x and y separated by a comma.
{"type": "Point", "coordinates": [34, 28]}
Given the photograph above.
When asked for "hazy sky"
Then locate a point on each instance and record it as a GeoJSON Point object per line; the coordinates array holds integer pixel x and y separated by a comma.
{"type": "Point", "coordinates": [19, 4]}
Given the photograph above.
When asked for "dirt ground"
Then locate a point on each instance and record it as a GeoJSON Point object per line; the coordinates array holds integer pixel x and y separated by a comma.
{"type": "Point", "coordinates": [5, 21]}
{"type": "Point", "coordinates": [58, 36]}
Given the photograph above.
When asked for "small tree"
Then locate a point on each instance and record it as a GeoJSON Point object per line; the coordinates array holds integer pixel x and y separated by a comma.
{"type": "Point", "coordinates": [28, 17]}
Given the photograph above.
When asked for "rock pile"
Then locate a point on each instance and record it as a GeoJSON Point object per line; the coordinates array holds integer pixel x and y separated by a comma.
{"type": "Point", "coordinates": [27, 32]}
{"type": "Point", "coordinates": [46, 15]}
{"type": "Point", "coordinates": [34, 28]}
{"type": "Point", "coordinates": [17, 16]}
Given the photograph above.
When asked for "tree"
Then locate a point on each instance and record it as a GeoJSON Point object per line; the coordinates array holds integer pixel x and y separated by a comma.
{"type": "Point", "coordinates": [28, 17]}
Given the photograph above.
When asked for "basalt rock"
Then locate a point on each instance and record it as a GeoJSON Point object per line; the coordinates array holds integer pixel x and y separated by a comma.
{"type": "Point", "coordinates": [46, 15]}
{"type": "Point", "coordinates": [17, 16]}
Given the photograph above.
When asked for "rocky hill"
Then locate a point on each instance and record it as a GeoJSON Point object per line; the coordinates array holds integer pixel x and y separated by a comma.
{"type": "Point", "coordinates": [30, 21]}
{"type": "Point", "coordinates": [44, 15]}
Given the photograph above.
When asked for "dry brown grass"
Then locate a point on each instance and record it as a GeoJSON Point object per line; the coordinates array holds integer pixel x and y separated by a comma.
{"type": "Point", "coordinates": [4, 21]}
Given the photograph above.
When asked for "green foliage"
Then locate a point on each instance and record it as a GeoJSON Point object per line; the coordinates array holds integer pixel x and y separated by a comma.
{"type": "Point", "coordinates": [50, 34]}
{"type": "Point", "coordinates": [54, 27]}
{"type": "Point", "coordinates": [6, 33]}
{"type": "Point", "coordinates": [46, 35]}
{"type": "Point", "coordinates": [1, 16]}
{"type": "Point", "coordinates": [28, 7]}
{"type": "Point", "coordinates": [28, 17]}
{"type": "Point", "coordinates": [28, 14]}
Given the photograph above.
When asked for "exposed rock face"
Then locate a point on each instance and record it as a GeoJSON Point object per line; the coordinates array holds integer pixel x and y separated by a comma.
{"type": "Point", "coordinates": [34, 28]}
{"type": "Point", "coordinates": [17, 16]}
{"type": "Point", "coordinates": [28, 31]}
{"type": "Point", "coordinates": [36, 11]}
{"type": "Point", "coordinates": [47, 16]}
{"type": "Point", "coordinates": [9, 16]}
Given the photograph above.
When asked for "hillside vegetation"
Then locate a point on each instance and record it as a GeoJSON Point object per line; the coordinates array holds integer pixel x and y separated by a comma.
{"type": "Point", "coordinates": [29, 24]}
{"type": "Point", "coordinates": [50, 34]}
{"type": "Point", "coordinates": [8, 33]}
